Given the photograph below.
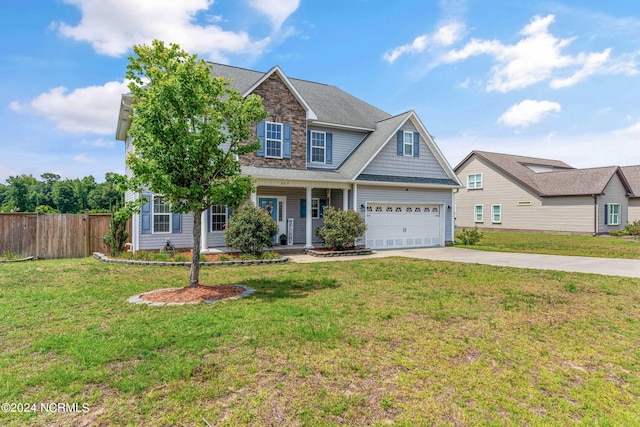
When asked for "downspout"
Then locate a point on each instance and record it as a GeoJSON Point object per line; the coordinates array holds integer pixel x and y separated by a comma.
{"type": "Point", "coordinates": [595, 214]}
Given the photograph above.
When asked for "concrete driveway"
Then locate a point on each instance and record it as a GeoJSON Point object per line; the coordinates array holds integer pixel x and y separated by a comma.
{"type": "Point", "coordinates": [605, 266]}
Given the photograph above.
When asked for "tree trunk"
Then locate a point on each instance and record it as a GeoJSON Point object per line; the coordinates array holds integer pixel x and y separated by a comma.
{"type": "Point", "coordinates": [194, 275]}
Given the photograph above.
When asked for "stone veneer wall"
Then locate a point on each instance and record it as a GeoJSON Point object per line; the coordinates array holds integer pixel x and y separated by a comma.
{"type": "Point", "coordinates": [282, 107]}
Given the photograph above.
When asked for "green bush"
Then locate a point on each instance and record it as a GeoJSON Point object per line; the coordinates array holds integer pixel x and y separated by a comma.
{"type": "Point", "coordinates": [117, 236]}
{"type": "Point", "coordinates": [470, 237]}
{"type": "Point", "coordinates": [633, 228]}
{"type": "Point", "coordinates": [250, 229]}
{"type": "Point", "coordinates": [341, 228]}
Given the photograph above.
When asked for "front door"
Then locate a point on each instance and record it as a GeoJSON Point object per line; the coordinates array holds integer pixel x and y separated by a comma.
{"type": "Point", "coordinates": [275, 207]}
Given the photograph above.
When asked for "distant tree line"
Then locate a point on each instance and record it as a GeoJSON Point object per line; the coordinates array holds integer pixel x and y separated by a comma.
{"type": "Point", "coordinates": [24, 193]}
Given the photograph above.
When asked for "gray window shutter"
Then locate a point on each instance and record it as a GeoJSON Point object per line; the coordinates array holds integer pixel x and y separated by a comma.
{"type": "Point", "coordinates": [286, 129]}
{"type": "Point", "coordinates": [145, 215]}
{"type": "Point", "coordinates": [308, 146]}
{"type": "Point", "coordinates": [416, 144]}
{"type": "Point", "coordinates": [400, 142]}
{"type": "Point", "coordinates": [260, 132]}
{"type": "Point", "coordinates": [329, 148]}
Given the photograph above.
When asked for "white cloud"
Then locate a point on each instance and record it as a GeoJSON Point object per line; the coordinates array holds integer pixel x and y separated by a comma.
{"type": "Point", "coordinates": [88, 110]}
{"type": "Point", "coordinates": [83, 158]}
{"type": "Point", "coordinates": [277, 11]}
{"type": "Point", "coordinates": [633, 130]}
{"type": "Point", "coordinates": [111, 27]}
{"type": "Point", "coordinates": [528, 112]}
{"type": "Point", "coordinates": [537, 57]}
{"type": "Point", "coordinates": [444, 36]}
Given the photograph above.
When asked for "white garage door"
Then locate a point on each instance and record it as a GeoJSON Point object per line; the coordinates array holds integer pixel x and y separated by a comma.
{"type": "Point", "coordinates": [403, 225]}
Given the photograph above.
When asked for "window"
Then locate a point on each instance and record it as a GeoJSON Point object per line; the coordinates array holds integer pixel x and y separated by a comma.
{"type": "Point", "coordinates": [161, 216]}
{"type": "Point", "coordinates": [496, 212]}
{"type": "Point", "coordinates": [318, 147]}
{"type": "Point", "coordinates": [218, 217]}
{"type": "Point", "coordinates": [613, 214]}
{"type": "Point", "coordinates": [474, 181]}
{"type": "Point", "coordinates": [478, 213]}
{"type": "Point", "coordinates": [317, 208]}
{"type": "Point", "coordinates": [408, 143]}
{"type": "Point", "coordinates": [273, 140]}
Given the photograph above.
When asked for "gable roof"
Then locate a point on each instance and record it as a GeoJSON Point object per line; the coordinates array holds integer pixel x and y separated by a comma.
{"type": "Point", "coordinates": [329, 104]}
{"type": "Point", "coordinates": [632, 174]}
{"type": "Point", "coordinates": [560, 179]}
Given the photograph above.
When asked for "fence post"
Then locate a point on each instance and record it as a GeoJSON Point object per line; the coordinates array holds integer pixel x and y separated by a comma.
{"type": "Point", "coordinates": [87, 234]}
{"type": "Point", "coordinates": [37, 235]}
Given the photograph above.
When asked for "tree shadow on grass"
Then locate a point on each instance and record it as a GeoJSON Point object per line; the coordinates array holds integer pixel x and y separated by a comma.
{"type": "Point", "coordinates": [271, 289]}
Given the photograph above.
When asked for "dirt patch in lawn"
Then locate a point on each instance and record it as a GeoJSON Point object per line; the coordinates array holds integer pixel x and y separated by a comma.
{"type": "Point", "coordinates": [200, 293]}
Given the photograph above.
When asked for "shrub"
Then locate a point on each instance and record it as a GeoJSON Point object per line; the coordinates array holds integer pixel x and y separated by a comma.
{"type": "Point", "coordinates": [470, 237]}
{"type": "Point", "coordinates": [250, 229]}
{"type": "Point", "coordinates": [118, 234]}
{"type": "Point", "coordinates": [633, 228]}
{"type": "Point", "coordinates": [341, 228]}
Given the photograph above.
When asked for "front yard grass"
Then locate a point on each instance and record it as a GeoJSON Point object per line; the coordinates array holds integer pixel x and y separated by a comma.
{"type": "Point", "coordinates": [372, 342]}
{"type": "Point", "coordinates": [556, 244]}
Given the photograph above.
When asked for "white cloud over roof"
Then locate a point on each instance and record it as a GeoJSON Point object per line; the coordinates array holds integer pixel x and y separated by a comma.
{"type": "Point", "coordinates": [528, 112]}
{"type": "Point", "coordinates": [88, 110]}
{"type": "Point", "coordinates": [445, 35]}
{"type": "Point", "coordinates": [112, 26]}
{"type": "Point", "coordinates": [538, 56]}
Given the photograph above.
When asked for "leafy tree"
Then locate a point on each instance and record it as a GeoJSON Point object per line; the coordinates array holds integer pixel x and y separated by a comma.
{"type": "Point", "coordinates": [21, 193]}
{"type": "Point", "coordinates": [3, 195]}
{"type": "Point", "coordinates": [182, 116]}
{"type": "Point", "coordinates": [64, 196]}
{"type": "Point", "coordinates": [45, 189]}
{"type": "Point", "coordinates": [250, 229]}
{"type": "Point", "coordinates": [341, 228]}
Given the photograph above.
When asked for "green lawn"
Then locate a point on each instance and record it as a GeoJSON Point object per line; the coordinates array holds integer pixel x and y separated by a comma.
{"type": "Point", "coordinates": [373, 342]}
{"type": "Point", "coordinates": [555, 244]}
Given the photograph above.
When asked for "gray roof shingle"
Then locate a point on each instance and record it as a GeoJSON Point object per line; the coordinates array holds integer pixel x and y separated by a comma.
{"type": "Point", "coordinates": [561, 180]}
{"type": "Point", "coordinates": [331, 104]}
{"type": "Point", "coordinates": [632, 174]}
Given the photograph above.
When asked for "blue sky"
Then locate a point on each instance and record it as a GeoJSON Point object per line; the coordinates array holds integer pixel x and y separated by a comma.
{"type": "Point", "coordinates": [553, 79]}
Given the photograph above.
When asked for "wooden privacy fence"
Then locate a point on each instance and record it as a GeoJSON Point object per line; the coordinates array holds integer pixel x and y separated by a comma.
{"type": "Point", "coordinates": [51, 236]}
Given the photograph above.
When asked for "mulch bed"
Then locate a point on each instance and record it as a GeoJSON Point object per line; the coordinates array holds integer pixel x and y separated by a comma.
{"type": "Point", "coordinates": [200, 293]}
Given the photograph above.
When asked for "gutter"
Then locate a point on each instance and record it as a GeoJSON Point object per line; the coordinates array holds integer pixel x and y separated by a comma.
{"type": "Point", "coordinates": [595, 214]}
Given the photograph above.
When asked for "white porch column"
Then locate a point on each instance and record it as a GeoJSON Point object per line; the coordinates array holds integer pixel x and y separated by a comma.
{"type": "Point", "coordinates": [309, 224]}
{"type": "Point", "coordinates": [204, 245]}
{"type": "Point", "coordinates": [135, 238]}
{"type": "Point", "coordinates": [254, 197]}
{"type": "Point", "coordinates": [356, 207]}
{"type": "Point", "coordinates": [345, 199]}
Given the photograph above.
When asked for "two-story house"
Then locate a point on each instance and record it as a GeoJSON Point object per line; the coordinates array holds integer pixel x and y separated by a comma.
{"type": "Point", "coordinates": [321, 146]}
{"type": "Point", "coordinates": [518, 193]}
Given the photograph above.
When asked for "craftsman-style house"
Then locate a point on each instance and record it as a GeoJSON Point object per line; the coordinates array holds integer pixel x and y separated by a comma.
{"type": "Point", "coordinates": [518, 193]}
{"type": "Point", "coordinates": [321, 146]}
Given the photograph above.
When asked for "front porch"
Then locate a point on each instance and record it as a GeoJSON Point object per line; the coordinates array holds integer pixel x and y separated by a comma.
{"type": "Point", "coordinates": [296, 206]}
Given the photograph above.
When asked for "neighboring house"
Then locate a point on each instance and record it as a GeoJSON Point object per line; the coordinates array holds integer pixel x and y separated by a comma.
{"type": "Point", "coordinates": [321, 147]}
{"type": "Point", "coordinates": [517, 193]}
{"type": "Point", "coordinates": [632, 173]}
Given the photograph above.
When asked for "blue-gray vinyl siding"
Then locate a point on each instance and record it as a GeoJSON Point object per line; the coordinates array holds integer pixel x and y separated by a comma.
{"type": "Point", "coordinates": [343, 143]}
{"type": "Point", "coordinates": [157, 241]}
{"type": "Point", "coordinates": [370, 194]}
{"type": "Point", "coordinates": [388, 162]}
